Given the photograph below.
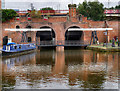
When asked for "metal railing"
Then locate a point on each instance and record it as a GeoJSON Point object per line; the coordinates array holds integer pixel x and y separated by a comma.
{"type": "Point", "coordinates": [76, 43]}
{"type": "Point", "coordinates": [47, 43]}
{"type": "Point", "coordinates": [63, 43]}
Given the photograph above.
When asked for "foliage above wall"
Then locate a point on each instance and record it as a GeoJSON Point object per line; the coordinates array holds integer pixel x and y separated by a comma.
{"type": "Point", "coordinates": [116, 7]}
{"type": "Point", "coordinates": [8, 14]}
{"type": "Point", "coordinates": [92, 10]}
{"type": "Point", "coordinates": [47, 8]}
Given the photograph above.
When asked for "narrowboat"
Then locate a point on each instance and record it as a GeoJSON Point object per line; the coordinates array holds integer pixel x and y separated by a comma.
{"type": "Point", "coordinates": [13, 48]}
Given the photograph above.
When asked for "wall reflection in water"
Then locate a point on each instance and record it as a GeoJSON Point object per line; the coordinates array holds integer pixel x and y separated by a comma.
{"type": "Point", "coordinates": [61, 70]}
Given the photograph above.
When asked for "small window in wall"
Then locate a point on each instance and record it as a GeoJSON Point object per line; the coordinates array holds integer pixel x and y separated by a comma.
{"type": "Point", "coordinates": [17, 27]}
{"type": "Point", "coordinates": [15, 47]}
{"type": "Point", "coordinates": [28, 45]}
{"type": "Point", "coordinates": [20, 47]}
{"type": "Point", "coordinates": [8, 48]}
{"type": "Point", "coordinates": [29, 39]}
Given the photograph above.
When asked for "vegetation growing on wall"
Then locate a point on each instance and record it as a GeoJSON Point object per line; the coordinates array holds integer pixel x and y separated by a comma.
{"type": "Point", "coordinates": [8, 14]}
{"type": "Point", "coordinates": [35, 14]}
{"type": "Point", "coordinates": [47, 8]}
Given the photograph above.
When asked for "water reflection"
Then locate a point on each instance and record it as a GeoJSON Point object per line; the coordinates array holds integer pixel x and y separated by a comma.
{"type": "Point", "coordinates": [61, 70]}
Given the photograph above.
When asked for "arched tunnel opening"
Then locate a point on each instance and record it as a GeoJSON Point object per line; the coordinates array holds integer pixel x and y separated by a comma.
{"type": "Point", "coordinates": [48, 36]}
{"type": "Point", "coordinates": [73, 35]}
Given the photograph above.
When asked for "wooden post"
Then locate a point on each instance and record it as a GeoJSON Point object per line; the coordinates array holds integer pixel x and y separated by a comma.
{"type": "Point", "coordinates": [106, 38]}
{"type": "Point", "coordinates": [118, 32]}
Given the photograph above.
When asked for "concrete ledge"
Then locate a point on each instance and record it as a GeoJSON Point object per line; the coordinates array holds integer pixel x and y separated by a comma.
{"type": "Point", "coordinates": [103, 49]}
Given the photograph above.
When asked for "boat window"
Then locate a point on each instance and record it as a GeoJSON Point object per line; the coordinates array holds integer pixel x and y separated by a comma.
{"type": "Point", "coordinates": [28, 45]}
{"type": "Point", "coordinates": [7, 47]}
{"type": "Point", "coordinates": [20, 47]}
{"type": "Point", "coordinates": [32, 45]}
{"type": "Point", "coordinates": [15, 47]}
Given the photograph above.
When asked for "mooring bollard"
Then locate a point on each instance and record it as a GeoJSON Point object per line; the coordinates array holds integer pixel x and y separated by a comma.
{"type": "Point", "coordinates": [113, 42]}
{"type": "Point", "coordinates": [104, 44]}
{"type": "Point", "coordinates": [118, 43]}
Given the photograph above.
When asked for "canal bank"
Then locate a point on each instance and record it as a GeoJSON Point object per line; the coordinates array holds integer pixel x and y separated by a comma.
{"type": "Point", "coordinates": [103, 48]}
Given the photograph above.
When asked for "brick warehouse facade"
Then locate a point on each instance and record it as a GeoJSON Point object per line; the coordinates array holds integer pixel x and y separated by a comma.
{"type": "Point", "coordinates": [60, 24]}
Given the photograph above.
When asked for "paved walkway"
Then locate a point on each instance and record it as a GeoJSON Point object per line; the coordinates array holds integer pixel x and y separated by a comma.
{"type": "Point", "coordinates": [105, 49]}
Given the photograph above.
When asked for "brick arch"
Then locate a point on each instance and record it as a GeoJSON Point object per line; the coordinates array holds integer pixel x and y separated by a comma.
{"type": "Point", "coordinates": [50, 27]}
{"type": "Point", "coordinates": [75, 25]}
{"type": "Point", "coordinates": [71, 25]}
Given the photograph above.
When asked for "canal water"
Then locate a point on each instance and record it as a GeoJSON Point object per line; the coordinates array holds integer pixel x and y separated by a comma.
{"type": "Point", "coordinates": [71, 69]}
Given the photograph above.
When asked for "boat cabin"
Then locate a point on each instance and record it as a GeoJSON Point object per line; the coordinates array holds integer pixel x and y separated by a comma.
{"type": "Point", "coordinates": [14, 46]}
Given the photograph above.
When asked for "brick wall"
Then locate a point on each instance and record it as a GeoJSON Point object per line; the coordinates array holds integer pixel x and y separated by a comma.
{"type": "Point", "coordinates": [0, 4]}
{"type": "Point", "coordinates": [60, 26]}
{"type": "Point", "coordinates": [101, 24]}
{"type": "Point", "coordinates": [72, 11]}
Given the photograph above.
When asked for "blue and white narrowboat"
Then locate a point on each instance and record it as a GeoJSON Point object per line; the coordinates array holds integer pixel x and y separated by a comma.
{"type": "Point", "coordinates": [13, 48]}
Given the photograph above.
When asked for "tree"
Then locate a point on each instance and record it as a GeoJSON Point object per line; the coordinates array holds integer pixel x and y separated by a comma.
{"type": "Point", "coordinates": [92, 10]}
{"type": "Point", "coordinates": [8, 14]}
{"type": "Point", "coordinates": [47, 8]}
{"type": "Point", "coordinates": [117, 7]}
{"type": "Point", "coordinates": [112, 8]}
{"type": "Point", "coordinates": [83, 9]}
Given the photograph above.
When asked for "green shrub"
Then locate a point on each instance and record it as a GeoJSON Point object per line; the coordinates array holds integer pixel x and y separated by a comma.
{"type": "Point", "coordinates": [8, 14]}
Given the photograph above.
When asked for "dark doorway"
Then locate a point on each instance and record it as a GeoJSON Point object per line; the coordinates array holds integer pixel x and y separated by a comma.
{"type": "Point", "coordinates": [5, 40]}
{"type": "Point", "coordinates": [73, 35]}
{"type": "Point", "coordinates": [46, 35]}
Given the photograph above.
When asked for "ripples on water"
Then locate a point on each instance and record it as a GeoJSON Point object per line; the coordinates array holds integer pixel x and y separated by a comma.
{"type": "Point", "coordinates": [70, 69]}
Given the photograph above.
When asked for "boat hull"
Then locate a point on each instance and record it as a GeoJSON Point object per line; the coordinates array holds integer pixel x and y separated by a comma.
{"type": "Point", "coordinates": [4, 53]}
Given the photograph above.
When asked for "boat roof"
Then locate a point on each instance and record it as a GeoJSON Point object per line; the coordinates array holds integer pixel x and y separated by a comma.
{"type": "Point", "coordinates": [11, 43]}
